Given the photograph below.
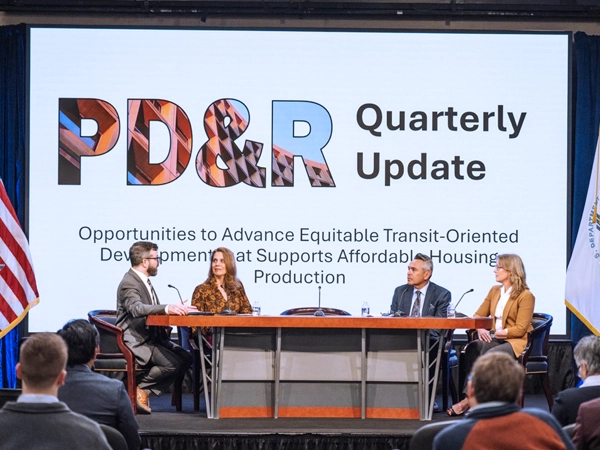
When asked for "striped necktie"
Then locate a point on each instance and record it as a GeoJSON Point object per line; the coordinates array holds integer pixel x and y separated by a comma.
{"type": "Point", "coordinates": [154, 297]}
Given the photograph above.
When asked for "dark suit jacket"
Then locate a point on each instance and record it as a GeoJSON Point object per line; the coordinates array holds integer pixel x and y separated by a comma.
{"type": "Point", "coordinates": [566, 403]}
{"type": "Point", "coordinates": [102, 399]}
{"type": "Point", "coordinates": [586, 435]}
{"type": "Point", "coordinates": [435, 303]}
{"type": "Point", "coordinates": [133, 305]}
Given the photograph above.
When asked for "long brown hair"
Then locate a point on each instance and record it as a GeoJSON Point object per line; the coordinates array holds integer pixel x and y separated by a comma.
{"type": "Point", "coordinates": [514, 265]}
{"type": "Point", "coordinates": [231, 281]}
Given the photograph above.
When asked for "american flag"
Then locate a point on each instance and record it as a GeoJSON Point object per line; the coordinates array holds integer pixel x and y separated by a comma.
{"type": "Point", "coordinates": [18, 289]}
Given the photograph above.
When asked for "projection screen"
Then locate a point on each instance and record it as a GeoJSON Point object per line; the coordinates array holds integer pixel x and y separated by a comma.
{"type": "Point", "coordinates": [323, 159]}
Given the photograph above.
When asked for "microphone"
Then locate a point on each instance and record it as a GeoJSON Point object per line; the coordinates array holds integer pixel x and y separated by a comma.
{"type": "Point", "coordinates": [461, 297]}
{"type": "Point", "coordinates": [319, 312]}
{"type": "Point", "coordinates": [173, 287]}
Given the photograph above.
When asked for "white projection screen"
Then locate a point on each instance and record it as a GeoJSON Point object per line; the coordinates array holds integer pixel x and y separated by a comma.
{"type": "Point", "coordinates": [323, 159]}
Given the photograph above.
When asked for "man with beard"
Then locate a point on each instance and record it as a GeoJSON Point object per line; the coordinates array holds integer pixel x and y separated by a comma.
{"type": "Point", "coordinates": [164, 361]}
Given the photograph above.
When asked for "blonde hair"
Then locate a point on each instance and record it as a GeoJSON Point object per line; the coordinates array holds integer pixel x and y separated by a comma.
{"type": "Point", "coordinates": [514, 265]}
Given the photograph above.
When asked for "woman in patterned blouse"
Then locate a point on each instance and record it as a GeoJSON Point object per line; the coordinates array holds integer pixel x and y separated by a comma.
{"type": "Point", "coordinates": [222, 290]}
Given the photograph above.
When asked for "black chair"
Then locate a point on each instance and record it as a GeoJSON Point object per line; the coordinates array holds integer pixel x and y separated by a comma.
{"type": "Point", "coordinates": [114, 437]}
{"type": "Point", "coordinates": [114, 355]}
{"type": "Point", "coordinates": [423, 437]}
{"type": "Point", "coordinates": [534, 358]}
{"type": "Point", "coordinates": [8, 395]}
{"type": "Point", "coordinates": [310, 311]}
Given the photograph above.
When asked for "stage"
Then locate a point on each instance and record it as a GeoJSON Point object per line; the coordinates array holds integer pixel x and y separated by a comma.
{"type": "Point", "coordinates": [190, 430]}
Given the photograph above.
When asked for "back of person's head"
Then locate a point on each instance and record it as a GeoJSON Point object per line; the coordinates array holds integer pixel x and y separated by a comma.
{"type": "Point", "coordinates": [82, 339]}
{"type": "Point", "coordinates": [497, 377]}
{"type": "Point", "coordinates": [588, 350]}
{"type": "Point", "coordinates": [140, 250]}
{"type": "Point", "coordinates": [43, 358]}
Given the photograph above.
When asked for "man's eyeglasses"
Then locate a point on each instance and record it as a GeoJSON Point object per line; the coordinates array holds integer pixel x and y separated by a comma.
{"type": "Point", "coordinates": [156, 258]}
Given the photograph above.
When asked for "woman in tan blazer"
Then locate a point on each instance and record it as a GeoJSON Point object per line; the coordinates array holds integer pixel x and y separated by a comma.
{"type": "Point", "coordinates": [510, 305]}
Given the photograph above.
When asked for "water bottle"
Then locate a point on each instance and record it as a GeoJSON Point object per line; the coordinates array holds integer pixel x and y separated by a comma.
{"type": "Point", "coordinates": [451, 311]}
{"type": "Point", "coordinates": [365, 310]}
{"type": "Point", "coordinates": [256, 309]}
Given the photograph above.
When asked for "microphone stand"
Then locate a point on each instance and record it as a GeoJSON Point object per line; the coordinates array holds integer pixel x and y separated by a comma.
{"type": "Point", "coordinates": [319, 312]}
{"type": "Point", "coordinates": [460, 299]}
{"type": "Point", "coordinates": [178, 293]}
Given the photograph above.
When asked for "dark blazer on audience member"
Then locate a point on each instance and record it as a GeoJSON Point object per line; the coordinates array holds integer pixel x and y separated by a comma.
{"type": "Point", "coordinates": [586, 435]}
{"type": "Point", "coordinates": [566, 403]}
{"type": "Point", "coordinates": [102, 399]}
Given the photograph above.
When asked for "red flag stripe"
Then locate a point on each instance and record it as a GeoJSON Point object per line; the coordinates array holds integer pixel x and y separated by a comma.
{"type": "Point", "coordinates": [18, 288]}
{"type": "Point", "coordinates": [20, 256]}
{"type": "Point", "coordinates": [15, 286]}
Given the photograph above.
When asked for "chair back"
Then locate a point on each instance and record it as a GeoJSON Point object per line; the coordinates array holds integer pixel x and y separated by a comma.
{"type": "Point", "coordinates": [310, 311]}
{"type": "Point", "coordinates": [8, 395]}
{"type": "Point", "coordinates": [423, 437]}
{"type": "Point", "coordinates": [535, 355]}
{"type": "Point", "coordinates": [114, 353]}
{"type": "Point", "coordinates": [114, 437]}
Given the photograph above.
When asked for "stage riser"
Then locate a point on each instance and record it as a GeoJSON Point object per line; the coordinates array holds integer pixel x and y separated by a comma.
{"type": "Point", "coordinates": [273, 442]}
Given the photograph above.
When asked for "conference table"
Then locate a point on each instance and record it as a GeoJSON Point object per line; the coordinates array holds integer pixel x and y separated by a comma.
{"type": "Point", "coordinates": [320, 366]}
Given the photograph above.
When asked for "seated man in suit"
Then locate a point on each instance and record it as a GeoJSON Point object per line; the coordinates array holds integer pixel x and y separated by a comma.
{"type": "Point", "coordinates": [586, 435]}
{"type": "Point", "coordinates": [421, 297]}
{"type": "Point", "coordinates": [136, 299]}
{"type": "Point", "coordinates": [587, 358]}
{"type": "Point", "coordinates": [495, 420]}
{"type": "Point", "coordinates": [95, 396]}
{"type": "Point", "coordinates": [38, 419]}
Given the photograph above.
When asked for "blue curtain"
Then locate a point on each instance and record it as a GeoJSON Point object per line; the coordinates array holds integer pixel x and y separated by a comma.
{"type": "Point", "coordinates": [12, 158]}
{"type": "Point", "coordinates": [587, 119]}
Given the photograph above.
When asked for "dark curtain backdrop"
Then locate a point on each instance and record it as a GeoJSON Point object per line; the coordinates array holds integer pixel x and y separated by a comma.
{"type": "Point", "coordinates": [12, 158]}
{"type": "Point", "coordinates": [587, 118]}
{"type": "Point", "coordinates": [13, 152]}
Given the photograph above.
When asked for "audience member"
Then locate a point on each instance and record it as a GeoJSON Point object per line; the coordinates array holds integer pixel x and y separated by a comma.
{"type": "Point", "coordinates": [586, 435]}
{"type": "Point", "coordinates": [165, 361]}
{"type": "Point", "coordinates": [95, 396]}
{"type": "Point", "coordinates": [495, 420]}
{"type": "Point", "coordinates": [587, 358]}
{"type": "Point", "coordinates": [38, 420]}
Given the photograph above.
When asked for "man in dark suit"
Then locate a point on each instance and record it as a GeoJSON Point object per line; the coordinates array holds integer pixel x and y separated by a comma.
{"type": "Point", "coordinates": [586, 435]}
{"type": "Point", "coordinates": [136, 299]}
{"type": "Point", "coordinates": [587, 358]}
{"type": "Point", "coordinates": [100, 398]}
{"type": "Point", "coordinates": [420, 297]}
